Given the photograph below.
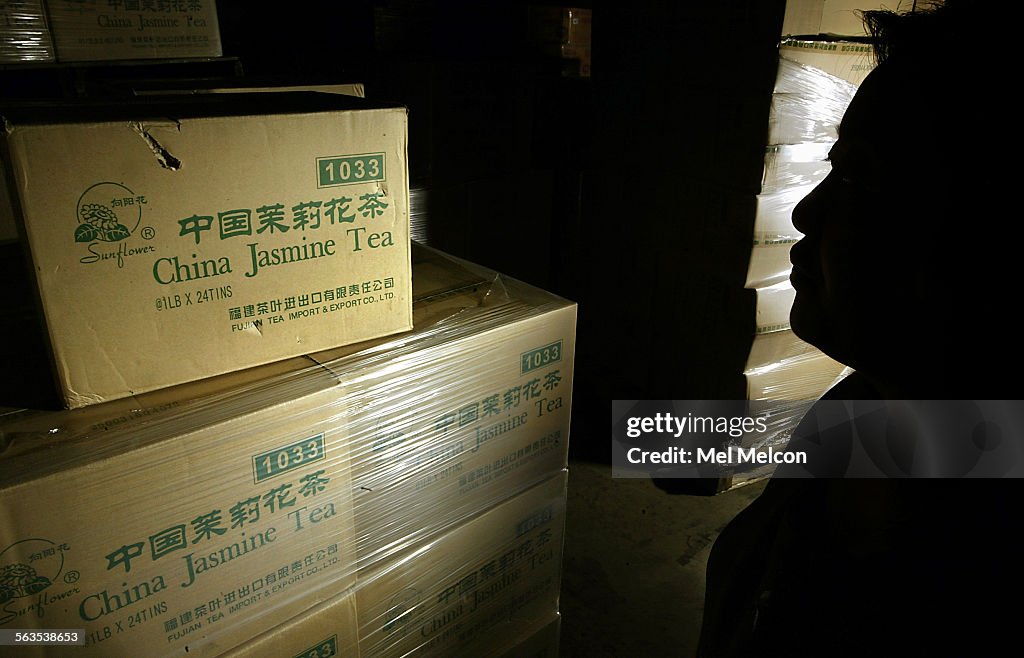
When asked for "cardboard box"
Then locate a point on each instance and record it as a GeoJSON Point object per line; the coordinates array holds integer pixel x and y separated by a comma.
{"type": "Point", "coordinates": [783, 367]}
{"type": "Point", "coordinates": [187, 532]}
{"type": "Point", "coordinates": [786, 375]}
{"type": "Point", "coordinates": [846, 60]}
{"type": "Point", "coordinates": [327, 631]}
{"type": "Point", "coordinates": [473, 591]}
{"type": "Point", "coordinates": [24, 33]}
{"type": "Point", "coordinates": [442, 290]}
{"type": "Point", "coordinates": [769, 261]}
{"type": "Point", "coordinates": [356, 89]}
{"type": "Point", "coordinates": [91, 30]}
{"type": "Point", "coordinates": [331, 629]}
{"type": "Point", "coordinates": [247, 229]}
{"type": "Point", "coordinates": [791, 165]}
{"type": "Point", "coordinates": [160, 88]}
{"type": "Point", "coordinates": [807, 104]}
{"type": "Point", "coordinates": [841, 17]}
{"type": "Point", "coordinates": [463, 314]}
{"type": "Point", "coordinates": [773, 305]}
{"type": "Point", "coordinates": [446, 427]}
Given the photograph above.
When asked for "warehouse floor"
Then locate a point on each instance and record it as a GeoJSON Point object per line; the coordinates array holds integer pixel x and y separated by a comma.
{"type": "Point", "coordinates": [633, 580]}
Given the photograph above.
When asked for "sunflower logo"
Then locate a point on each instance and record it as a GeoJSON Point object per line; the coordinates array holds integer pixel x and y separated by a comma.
{"type": "Point", "coordinates": [100, 223]}
{"type": "Point", "coordinates": [107, 212]}
{"type": "Point", "coordinates": [18, 580]}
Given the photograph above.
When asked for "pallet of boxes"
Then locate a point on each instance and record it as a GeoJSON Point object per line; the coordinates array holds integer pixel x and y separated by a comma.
{"type": "Point", "coordinates": [25, 36]}
{"type": "Point", "coordinates": [278, 427]}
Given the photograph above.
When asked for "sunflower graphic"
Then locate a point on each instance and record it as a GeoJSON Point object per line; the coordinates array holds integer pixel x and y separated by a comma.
{"type": "Point", "coordinates": [99, 223]}
{"type": "Point", "coordinates": [18, 580]}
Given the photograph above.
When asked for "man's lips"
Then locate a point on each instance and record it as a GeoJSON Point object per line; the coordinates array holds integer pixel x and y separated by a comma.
{"type": "Point", "coordinates": [802, 276]}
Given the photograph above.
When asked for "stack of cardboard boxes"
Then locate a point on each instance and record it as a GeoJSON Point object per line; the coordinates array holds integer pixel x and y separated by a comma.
{"type": "Point", "coordinates": [24, 32]}
{"type": "Point", "coordinates": [816, 81]}
{"type": "Point", "coordinates": [806, 109]}
{"type": "Point", "coordinates": [288, 430]}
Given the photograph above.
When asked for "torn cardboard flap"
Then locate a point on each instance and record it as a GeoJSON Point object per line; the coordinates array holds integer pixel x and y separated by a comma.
{"type": "Point", "coordinates": [163, 157]}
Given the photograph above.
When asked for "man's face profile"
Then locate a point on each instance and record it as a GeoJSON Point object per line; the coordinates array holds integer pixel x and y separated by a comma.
{"type": "Point", "coordinates": [862, 270]}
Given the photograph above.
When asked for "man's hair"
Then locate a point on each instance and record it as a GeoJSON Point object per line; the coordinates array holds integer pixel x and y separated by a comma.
{"type": "Point", "coordinates": [923, 30]}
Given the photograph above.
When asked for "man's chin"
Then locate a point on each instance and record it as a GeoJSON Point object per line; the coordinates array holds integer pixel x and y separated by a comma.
{"type": "Point", "coordinates": [809, 325]}
{"type": "Point", "coordinates": [806, 321]}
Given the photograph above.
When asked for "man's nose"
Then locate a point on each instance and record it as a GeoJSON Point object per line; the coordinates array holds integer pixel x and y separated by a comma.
{"type": "Point", "coordinates": [807, 212]}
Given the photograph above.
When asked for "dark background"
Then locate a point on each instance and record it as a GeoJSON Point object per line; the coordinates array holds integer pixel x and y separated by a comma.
{"type": "Point", "coordinates": [631, 191]}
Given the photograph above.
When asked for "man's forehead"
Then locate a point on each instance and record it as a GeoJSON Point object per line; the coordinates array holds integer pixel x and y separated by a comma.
{"type": "Point", "coordinates": [890, 121]}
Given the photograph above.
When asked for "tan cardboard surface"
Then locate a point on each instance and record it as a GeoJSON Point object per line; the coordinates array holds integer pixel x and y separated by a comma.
{"type": "Point", "coordinates": [807, 104]}
{"type": "Point", "coordinates": [846, 60]}
{"type": "Point", "coordinates": [474, 590]}
{"type": "Point", "coordinates": [442, 434]}
{"type": "Point", "coordinates": [463, 313]}
{"type": "Point", "coordinates": [160, 541]}
{"type": "Point", "coordinates": [168, 251]}
{"type": "Point", "coordinates": [802, 378]}
{"type": "Point", "coordinates": [326, 631]}
{"type": "Point", "coordinates": [89, 30]}
{"type": "Point", "coordinates": [443, 289]}
{"type": "Point", "coordinates": [769, 261]}
{"type": "Point", "coordinates": [773, 305]}
{"type": "Point", "coordinates": [771, 348]}
{"type": "Point", "coordinates": [356, 89]}
{"type": "Point", "coordinates": [841, 17]}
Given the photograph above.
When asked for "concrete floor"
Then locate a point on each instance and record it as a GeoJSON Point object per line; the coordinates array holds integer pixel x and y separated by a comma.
{"type": "Point", "coordinates": [633, 575]}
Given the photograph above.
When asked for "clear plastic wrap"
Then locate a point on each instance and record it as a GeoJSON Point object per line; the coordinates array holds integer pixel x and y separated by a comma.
{"type": "Point", "coordinates": [204, 516]}
{"type": "Point", "coordinates": [791, 171]}
{"type": "Point", "coordinates": [786, 375]}
{"type": "Point", "coordinates": [240, 258]}
{"type": "Point", "coordinates": [24, 33]}
{"type": "Point", "coordinates": [473, 591]}
{"type": "Point", "coordinates": [783, 367]}
{"type": "Point", "coordinates": [848, 60]}
{"type": "Point", "coordinates": [419, 214]}
{"type": "Point", "coordinates": [774, 235]}
{"type": "Point", "coordinates": [794, 165]}
{"type": "Point", "coordinates": [807, 104]}
{"type": "Point", "coordinates": [807, 107]}
{"type": "Point", "coordinates": [99, 30]}
{"type": "Point", "coordinates": [773, 304]}
{"type": "Point", "coordinates": [487, 588]}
